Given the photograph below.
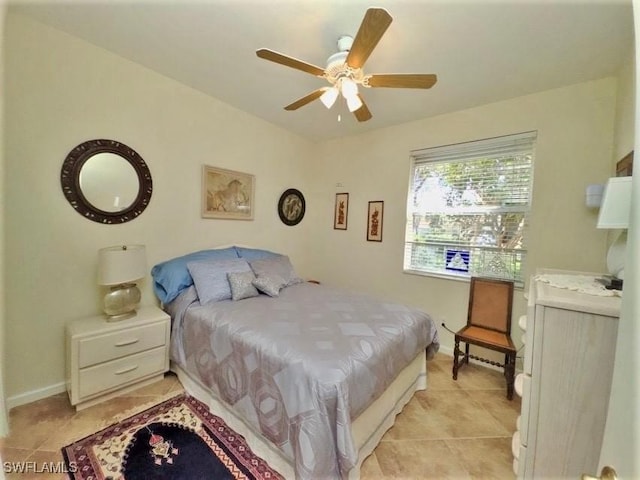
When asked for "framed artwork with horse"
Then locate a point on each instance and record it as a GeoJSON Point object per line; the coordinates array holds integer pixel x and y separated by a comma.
{"type": "Point", "coordinates": [227, 194]}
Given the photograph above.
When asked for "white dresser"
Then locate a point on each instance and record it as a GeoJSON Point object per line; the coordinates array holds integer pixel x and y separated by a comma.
{"type": "Point", "coordinates": [104, 359]}
{"type": "Point", "coordinates": [570, 340]}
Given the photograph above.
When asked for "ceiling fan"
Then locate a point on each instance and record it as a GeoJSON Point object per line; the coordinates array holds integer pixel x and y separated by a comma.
{"type": "Point", "coordinates": [344, 69]}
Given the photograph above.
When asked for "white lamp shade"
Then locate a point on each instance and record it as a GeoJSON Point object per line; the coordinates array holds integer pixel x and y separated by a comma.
{"type": "Point", "coordinates": [616, 204]}
{"type": "Point", "coordinates": [121, 264]}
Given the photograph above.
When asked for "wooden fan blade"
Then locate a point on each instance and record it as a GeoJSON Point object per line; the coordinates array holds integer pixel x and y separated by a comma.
{"type": "Point", "coordinates": [289, 62]}
{"type": "Point", "coordinates": [407, 80]}
{"type": "Point", "coordinates": [374, 24]}
{"type": "Point", "coordinates": [362, 114]}
{"type": "Point", "coordinates": [307, 99]}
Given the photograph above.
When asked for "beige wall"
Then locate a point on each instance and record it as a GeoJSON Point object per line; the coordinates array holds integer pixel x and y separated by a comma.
{"type": "Point", "coordinates": [4, 426]}
{"type": "Point", "coordinates": [574, 148]}
{"type": "Point", "coordinates": [62, 91]}
{"type": "Point", "coordinates": [625, 110]}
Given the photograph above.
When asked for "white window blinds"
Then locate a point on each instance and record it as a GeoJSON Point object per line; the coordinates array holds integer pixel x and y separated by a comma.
{"type": "Point", "coordinates": [468, 206]}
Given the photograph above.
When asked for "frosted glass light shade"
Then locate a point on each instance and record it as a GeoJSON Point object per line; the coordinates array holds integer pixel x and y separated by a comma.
{"type": "Point", "coordinates": [616, 203]}
{"type": "Point", "coordinates": [328, 98]}
{"type": "Point", "coordinates": [349, 88]}
{"type": "Point", "coordinates": [121, 264]}
{"type": "Point", "coordinates": [354, 103]}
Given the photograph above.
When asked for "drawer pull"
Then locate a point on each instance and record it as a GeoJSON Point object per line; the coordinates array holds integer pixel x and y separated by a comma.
{"type": "Point", "coordinates": [127, 342]}
{"type": "Point", "coordinates": [126, 370]}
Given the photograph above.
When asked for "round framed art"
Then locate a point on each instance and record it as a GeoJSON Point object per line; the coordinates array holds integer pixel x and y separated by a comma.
{"type": "Point", "coordinates": [291, 207]}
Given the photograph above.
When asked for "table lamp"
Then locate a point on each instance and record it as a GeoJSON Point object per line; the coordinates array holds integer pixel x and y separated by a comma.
{"type": "Point", "coordinates": [614, 214]}
{"type": "Point", "coordinates": [120, 267]}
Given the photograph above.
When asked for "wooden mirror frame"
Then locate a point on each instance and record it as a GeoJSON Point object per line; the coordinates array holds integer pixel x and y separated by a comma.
{"type": "Point", "coordinates": [70, 181]}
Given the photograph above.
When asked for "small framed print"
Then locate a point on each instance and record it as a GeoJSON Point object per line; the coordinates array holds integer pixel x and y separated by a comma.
{"type": "Point", "coordinates": [624, 168]}
{"type": "Point", "coordinates": [341, 211]}
{"type": "Point", "coordinates": [374, 222]}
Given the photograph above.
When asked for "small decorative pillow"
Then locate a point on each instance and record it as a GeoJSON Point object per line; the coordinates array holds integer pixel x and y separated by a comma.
{"type": "Point", "coordinates": [210, 277]}
{"type": "Point", "coordinates": [271, 285]}
{"type": "Point", "coordinates": [242, 286]}
{"type": "Point", "coordinates": [279, 266]}
{"type": "Point", "coordinates": [172, 277]}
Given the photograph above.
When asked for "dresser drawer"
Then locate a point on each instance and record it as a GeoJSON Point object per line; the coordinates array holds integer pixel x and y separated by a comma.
{"type": "Point", "coordinates": [117, 373]}
{"type": "Point", "coordinates": [110, 346]}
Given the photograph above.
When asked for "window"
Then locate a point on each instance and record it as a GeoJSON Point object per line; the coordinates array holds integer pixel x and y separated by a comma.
{"type": "Point", "coordinates": [468, 208]}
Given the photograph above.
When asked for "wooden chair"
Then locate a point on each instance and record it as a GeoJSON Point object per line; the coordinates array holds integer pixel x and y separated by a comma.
{"type": "Point", "coordinates": [488, 326]}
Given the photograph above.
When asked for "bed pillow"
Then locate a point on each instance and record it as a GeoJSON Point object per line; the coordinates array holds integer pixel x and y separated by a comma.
{"type": "Point", "coordinates": [254, 253]}
{"type": "Point", "coordinates": [242, 286]}
{"type": "Point", "coordinates": [269, 284]}
{"type": "Point", "coordinates": [279, 265]}
{"type": "Point", "coordinates": [172, 277]}
{"type": "Point", "coordinates": [210, 277]}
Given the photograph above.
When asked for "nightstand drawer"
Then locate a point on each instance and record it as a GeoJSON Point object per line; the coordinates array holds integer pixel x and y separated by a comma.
{"type": "Point", "coordinates": [121, 343]}
{"type": "Point", "coordinates": [103, 377]}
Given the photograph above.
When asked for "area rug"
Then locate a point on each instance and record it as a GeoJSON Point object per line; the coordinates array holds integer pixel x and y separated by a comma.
{"type": "Point", "coordinates": [177, 439]}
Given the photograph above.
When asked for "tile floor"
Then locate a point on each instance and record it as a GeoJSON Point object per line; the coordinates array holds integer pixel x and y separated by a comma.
{"type": "Point", "coordinates": [453, 430]}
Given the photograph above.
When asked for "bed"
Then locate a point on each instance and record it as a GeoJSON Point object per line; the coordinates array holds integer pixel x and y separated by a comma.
{"type": "Point", "coordinates": [310, 375]}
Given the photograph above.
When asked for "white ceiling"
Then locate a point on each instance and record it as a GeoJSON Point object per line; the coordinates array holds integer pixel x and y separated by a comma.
{"type": "Point", "coordinates": [482, 51]}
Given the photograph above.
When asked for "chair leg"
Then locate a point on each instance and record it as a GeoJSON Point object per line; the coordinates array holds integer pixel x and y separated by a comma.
{"type": "Point", "coordinates": [509, 370]}
{"type": "Point", "coordinates": [456, 354]}
{"type": "Point", "coordinates": [506, 360]}
{"type": "Point", "coordinates": [466, 353]}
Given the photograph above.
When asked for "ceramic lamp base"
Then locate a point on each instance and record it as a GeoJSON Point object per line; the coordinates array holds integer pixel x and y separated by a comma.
{"type": "Point", "coordinates": [121, 302]}
{"type": "Point", "coordinates": [616, 256]}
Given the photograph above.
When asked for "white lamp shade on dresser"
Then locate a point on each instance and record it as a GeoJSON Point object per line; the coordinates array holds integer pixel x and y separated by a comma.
{"type": "Point", "coordinates": [121, 264]}
{"type": "Point", "coordinates": [616, 204]}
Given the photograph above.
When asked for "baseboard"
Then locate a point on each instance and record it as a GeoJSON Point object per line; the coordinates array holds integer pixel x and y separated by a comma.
{"type": "Point", "coordinates": [33, 395]}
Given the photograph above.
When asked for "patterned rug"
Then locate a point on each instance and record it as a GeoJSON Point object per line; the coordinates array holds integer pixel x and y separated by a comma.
{"type": "Point", "coordinates": [177, 439]}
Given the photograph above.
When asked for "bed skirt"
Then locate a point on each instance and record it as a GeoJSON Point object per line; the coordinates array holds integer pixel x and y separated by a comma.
{"type": "Point", "coordinates": [367, 430]}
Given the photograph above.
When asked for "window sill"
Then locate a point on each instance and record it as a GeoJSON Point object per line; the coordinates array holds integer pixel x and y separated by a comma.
{"type": "Point", "coordinates": [451, 276]}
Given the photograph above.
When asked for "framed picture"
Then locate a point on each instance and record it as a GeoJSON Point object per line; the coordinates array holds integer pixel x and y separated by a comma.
{"type": "Point", "coordinates": [374, 222]}
{"type": "Point", "coordinates": [341, 211]}
{"type": "Point", "coordinates": [291, 207]}
{"type": "Point", "coordinates": [227, 194]}
{"type": "Point", "coordinates": [624, 168]}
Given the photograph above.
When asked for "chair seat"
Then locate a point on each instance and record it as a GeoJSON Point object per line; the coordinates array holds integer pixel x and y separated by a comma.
{"type": "Point", "coordinates": [490, 337]}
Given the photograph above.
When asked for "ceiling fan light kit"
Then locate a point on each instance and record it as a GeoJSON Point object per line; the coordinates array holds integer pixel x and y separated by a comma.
{"type": "Point", "coordinates": [344, 68]}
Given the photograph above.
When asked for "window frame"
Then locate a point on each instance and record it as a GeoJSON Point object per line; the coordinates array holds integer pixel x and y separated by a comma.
{"type": "Point", "coordinates": [491, 148]}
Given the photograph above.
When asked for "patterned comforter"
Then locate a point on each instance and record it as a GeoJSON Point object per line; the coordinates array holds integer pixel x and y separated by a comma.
{"type": "Point", "coordinates": [301, 366]}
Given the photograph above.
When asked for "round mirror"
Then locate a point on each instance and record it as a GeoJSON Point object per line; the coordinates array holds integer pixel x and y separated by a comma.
{"type": "Point", "coordinates": [106, 181]}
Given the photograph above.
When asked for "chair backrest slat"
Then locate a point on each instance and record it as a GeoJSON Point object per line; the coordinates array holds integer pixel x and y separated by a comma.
{"type": "Point", "coordinates": [490, 302]}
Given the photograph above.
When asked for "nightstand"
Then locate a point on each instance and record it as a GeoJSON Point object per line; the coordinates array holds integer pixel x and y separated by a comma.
{"type": "Point", "coordinates": [107, 359]}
